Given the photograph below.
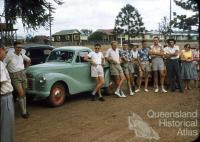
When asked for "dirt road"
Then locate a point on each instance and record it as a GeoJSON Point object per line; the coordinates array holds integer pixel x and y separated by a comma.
{"type": "Point", "coordinates": [81, 120]}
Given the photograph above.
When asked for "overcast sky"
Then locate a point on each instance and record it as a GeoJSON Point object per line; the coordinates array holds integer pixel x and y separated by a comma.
{"type": "Point", "coordinates": [101, 14]}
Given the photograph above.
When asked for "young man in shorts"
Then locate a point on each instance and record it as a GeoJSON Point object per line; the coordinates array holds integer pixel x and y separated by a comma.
{"type": "Point", "coordinates": [144, 69]}
{"type": "Point", "coordinates": [112, 56]}
{"type": "Point", "coordinates": [15, 65]}
{"type": "Point", "coordinates": [97, 59]}
{"type": "Point", "coordinates": [127, 65]}
{"type": "Point", "coordinates": [157, 54]}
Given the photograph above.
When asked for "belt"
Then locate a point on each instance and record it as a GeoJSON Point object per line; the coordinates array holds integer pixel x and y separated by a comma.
{"type": "Point", "coordinates": [144, 62]}
{"type": "Point", "coordinates": [173, 59]}
{"type": "Point", "coordinates": [7, 94]}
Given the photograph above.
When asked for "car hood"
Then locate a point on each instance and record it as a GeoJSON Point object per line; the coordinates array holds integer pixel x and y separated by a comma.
{"type": "Point", "coordinates": [48, 67]}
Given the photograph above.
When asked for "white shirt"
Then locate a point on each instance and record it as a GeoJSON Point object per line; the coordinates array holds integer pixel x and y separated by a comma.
{"type": "Point", "coordinates": [5, 81]}
{"type": "Point", "coordinates": [15, 62]}
{"type": "Point", "coordinates": [135, 54]}
{"type": "Point", "coordinates": [172, 50]}
{"type": "Point", "coordinates": [113, 54]}
{"type": "Point", "coordinates": [96, 57]}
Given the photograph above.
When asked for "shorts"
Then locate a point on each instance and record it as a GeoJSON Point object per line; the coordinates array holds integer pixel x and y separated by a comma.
{"type": "Point", "coordinates": [19, 79]}
{"type": "Point", "coordinates": [146, 66]}
{"type": "Point", "coordinates": [128, 68]}
{"type": "Point", "coordinates": [116, 69]}
{"type": "Point", "coordinates": [158, 64]}
{"type": "Point", "coordinates": [97, 71]}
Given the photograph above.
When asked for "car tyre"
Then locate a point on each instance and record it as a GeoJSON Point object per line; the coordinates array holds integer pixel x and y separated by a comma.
{"type": "Point", "coordinates": [57, 95]}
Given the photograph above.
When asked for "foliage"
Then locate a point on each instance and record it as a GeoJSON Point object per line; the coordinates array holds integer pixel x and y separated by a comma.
{"type": "Point", "coordinates": [129, 22]}
{"type": "Point", "coordinates": [96, 36]}
{"type": "Point", "coordinates": [182, 21]}
{"type": "Point", "coordinates": [86, 32]}
{"type": "Point", "coordinates": [164, 27]}
{"type": "Point", "coordinates": [34, 13]}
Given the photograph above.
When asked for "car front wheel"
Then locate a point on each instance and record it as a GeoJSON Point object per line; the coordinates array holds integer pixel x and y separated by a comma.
{"type": "Point", "coordinates": [58, 94]}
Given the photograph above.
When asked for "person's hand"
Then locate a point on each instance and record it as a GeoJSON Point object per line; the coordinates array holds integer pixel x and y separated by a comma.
{"type": "Point", "coordinates": [93, 63]}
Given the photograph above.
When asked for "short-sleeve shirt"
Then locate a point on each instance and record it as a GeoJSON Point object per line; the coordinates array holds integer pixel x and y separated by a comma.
{"type": "Point", "coordinates": [172, 50]}
{"type": "Point", "coordinates": [113, 54]}
{"type": "Point", "coordinates": [135, 54]}
{"type": "Point", "coordinates": [157, 48]}
{"type": "Point", "coordinates": [5, 81]}
{"type": "Point", "coordinates": [186, 55]}
{"type": "Point", "coordinates": [96, 57]}
{"type": "Point", "coordinates": [126, 54]}
{"type": "Point", "coordinates": [144, 54]}
{"type": "Point", "coordinates": [15, 62]}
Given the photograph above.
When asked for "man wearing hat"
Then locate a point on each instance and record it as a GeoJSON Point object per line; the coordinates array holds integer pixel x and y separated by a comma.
{"type": "Point", "coordinates": [172, 65]}
{"type": "Point", "coordinates": [7, 106]}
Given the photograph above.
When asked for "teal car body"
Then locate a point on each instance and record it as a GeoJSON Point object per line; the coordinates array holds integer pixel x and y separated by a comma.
{"type": "Point", "coordinates": [64, 73]}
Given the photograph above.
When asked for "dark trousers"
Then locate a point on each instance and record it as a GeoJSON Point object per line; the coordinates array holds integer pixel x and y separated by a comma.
{"type": "Point", "coordinates": [173, 74]}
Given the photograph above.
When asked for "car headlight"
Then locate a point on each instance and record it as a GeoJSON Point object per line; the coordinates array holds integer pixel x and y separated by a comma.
{"type": "Point", "coordinates": [42, 79]}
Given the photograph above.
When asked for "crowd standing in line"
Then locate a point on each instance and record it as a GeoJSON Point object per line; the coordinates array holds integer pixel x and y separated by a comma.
{"type": "Point", "coordinates": [124, 64]}
{"type": "Point", "coordinates": [172, 63]}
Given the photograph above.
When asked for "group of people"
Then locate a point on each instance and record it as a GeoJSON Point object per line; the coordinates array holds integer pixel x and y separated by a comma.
{"type": "Point", "coordinates": [12, 76]}
{"type": "Point", "coordinates": [125, 63]}
{"type": "Point", "coordinates": [134, 64]}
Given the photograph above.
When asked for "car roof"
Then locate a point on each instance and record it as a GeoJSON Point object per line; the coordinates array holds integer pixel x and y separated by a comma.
{"type": "Point", "coordinates": [27, 46]}
{"type": "Point", "coordinates": [74, 48]}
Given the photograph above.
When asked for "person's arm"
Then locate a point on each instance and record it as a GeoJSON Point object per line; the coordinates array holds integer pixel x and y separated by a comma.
{"type": "Point", "coordinates": [26, 59]}
{"type": "Point", "coordinates": [108, 58]}
{"type": "Point", "coordinates": [88, 58]}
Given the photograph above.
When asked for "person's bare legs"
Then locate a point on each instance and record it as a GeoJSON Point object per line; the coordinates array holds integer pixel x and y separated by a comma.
{"type": "Point", "coordinates": [139, 80]}
{"type": "Point", "coordinates": [22, 100]}
{"type": "Point", "coordinates": [99, 84]}
{"type": "Point", "coordinates": [162, 80]}
{"type": "Point", "coordinates": [146, 81]}
{"type": "Point", "coordinates": [156, 80]}
{"type": "Point", "coordinates": [128, 78]}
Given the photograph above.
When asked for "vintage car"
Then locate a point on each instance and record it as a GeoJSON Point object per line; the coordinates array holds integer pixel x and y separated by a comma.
{"type": "Point", "coordinates": [64, 73]}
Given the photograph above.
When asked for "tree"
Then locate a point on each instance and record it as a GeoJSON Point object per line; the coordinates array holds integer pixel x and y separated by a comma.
{"type": "Point", "coordinates": [34, 13]}
{"type": "Point", "coordinates": [86, 32]}
{"type": "Point", "coordinates": [182, 21]}
{"type": "Point", "coordinates": [129, 22]}
{"type": "Point", "coordinates": [164, 28]}
{"type": "Point", "coordinates": [96, 37]}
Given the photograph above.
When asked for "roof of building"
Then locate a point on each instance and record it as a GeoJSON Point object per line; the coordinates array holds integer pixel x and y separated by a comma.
{"type": "Point", "coordinates": [106, 31]}
{"type": "Point", "coordinates": [67, 32]}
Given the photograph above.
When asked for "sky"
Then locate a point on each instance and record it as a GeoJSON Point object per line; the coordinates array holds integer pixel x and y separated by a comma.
{"type": "Point", "coordinates": [101, 14]}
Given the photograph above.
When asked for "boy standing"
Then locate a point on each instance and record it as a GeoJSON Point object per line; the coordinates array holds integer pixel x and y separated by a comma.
{"type": "Point", "coordinates": [97, 59]}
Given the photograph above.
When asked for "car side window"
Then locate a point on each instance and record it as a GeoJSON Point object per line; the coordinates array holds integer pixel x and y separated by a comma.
{"type": "Point", "coordinates": [81, 55]}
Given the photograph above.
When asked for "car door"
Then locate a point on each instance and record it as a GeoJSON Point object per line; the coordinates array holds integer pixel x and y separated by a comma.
{"type": "Point", "coordinates": [82, 72]}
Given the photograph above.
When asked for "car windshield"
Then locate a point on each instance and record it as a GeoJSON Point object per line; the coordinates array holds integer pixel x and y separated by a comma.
{"type": "Point", "coordinates": [60, 56]}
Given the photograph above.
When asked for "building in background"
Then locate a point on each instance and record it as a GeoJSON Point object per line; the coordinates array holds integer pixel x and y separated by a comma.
{"type": "Point", "coordinates": [67, 37]}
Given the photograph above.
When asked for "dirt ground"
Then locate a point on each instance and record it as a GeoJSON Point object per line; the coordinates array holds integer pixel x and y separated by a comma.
{"type": "Point", "coordinates": [82, 120]}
